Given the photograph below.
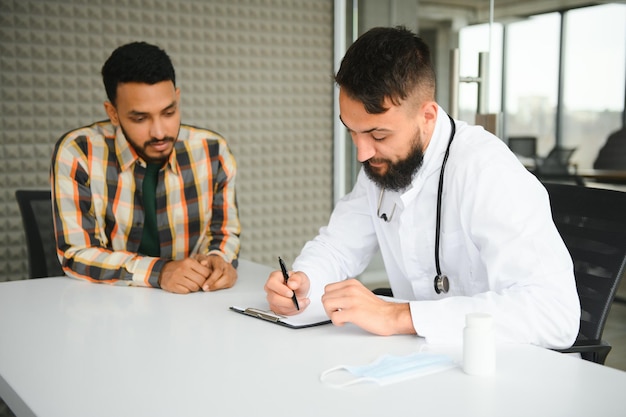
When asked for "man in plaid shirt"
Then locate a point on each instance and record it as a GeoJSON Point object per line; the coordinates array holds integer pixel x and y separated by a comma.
{"type": "Point", "coordinates": [141, 199]}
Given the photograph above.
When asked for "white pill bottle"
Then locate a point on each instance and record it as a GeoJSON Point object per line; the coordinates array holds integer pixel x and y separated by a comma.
{"type": "Point", "coordinates": [479, 345]}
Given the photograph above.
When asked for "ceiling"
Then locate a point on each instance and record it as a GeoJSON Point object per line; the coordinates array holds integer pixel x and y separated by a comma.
{"type": "Point", "coordinates": [477, 11]}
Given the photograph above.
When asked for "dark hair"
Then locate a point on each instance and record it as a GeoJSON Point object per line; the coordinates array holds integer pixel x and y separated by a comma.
{"type": "Point", "coordinates": [387, 62]}
{"type": "Point", "coordinates": [136, 62]}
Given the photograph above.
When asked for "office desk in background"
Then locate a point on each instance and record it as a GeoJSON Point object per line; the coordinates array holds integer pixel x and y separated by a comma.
{"type": "Point", "coordinates": [603, 175]}
{"type": "Point", "coordinates": [73, 349]}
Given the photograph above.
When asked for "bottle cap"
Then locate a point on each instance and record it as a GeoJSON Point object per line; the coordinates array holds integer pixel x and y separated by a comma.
{"type": "Point", "coordinates": [478, 320]}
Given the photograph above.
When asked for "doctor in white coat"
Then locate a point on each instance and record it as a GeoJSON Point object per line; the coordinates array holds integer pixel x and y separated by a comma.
{"type": "Point", "coordinates": [477, 237]}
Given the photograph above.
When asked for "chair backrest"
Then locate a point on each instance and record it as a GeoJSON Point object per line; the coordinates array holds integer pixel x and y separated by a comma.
{"type": "Point", "coordinates": [523, 145]}
{"type": "Point", "coordinates": [36, 210]}
{"type": "Point", "coordinates": [557, 161]}
{"type": "Point", "coordinates": [592, 222]}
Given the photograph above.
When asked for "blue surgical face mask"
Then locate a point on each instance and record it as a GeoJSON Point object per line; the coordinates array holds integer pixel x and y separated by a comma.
{"type": "Point", "coordinates": [389, 369]}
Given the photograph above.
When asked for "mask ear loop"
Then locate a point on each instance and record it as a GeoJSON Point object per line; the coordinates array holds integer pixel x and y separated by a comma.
{"type": "Point", "coordinates": [325, 374]}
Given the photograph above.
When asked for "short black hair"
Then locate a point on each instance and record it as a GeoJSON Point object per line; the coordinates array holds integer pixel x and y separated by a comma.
{"type": "Point", "coordinates": [136, 62]}
{"type": "Point", "coordinates": [385, 63]}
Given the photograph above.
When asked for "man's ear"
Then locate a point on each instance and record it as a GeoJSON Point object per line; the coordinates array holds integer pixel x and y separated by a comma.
{"type": "Point", "coordinates": [112, 113]}
{"type": "Point", "coordinates": [429, 111]}
{"type": "Point", "coordinates": [428, 117]}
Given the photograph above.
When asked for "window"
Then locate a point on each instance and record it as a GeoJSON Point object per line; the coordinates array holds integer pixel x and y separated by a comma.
{"type": "Point", "coordinates": [593, 77]}
{"type": "Point", "coordinates": [593, 92]}
{"type": "Point", "coordinates": [532, 62]}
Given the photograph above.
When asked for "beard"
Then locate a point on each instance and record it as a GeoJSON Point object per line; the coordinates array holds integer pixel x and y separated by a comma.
{"type": "Point", "coordinates": [399, 174]}
{"type": "Point", "coordinates": [142, 150]}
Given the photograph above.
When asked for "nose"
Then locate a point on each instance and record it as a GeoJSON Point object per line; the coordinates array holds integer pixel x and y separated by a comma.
{"type": "Point", "coordinates": [364, 148]}
{"type": "Point", "coordinates": [156, 129]}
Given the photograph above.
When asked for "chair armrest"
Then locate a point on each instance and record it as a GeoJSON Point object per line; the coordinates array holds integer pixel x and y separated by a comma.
{"type": "Point", "coordinates": [591, 350]}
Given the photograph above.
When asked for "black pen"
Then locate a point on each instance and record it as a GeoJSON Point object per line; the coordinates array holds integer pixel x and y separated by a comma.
{"type": "Point", "coordinates": [286, 276]}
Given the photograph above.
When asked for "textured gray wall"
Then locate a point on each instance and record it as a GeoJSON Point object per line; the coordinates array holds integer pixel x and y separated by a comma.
{"type": "Point", "coordinates": [257, 71]}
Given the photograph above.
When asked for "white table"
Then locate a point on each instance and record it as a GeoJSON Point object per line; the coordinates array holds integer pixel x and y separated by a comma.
{"type": "Point", "coordinates": [71, 348]}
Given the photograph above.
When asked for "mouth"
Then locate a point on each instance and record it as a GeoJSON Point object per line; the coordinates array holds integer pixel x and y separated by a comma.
{"type": "Point", "coordinates": [377, 164]}
{"type": "Point", "coordinates": [160, 146]}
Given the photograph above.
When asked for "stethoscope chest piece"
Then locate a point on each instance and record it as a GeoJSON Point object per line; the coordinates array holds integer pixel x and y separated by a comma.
{"type": "Point", "coordinates": [442, 285]}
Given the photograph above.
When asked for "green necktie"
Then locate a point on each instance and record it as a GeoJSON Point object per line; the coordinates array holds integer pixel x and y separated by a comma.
{"type": "Point", "coordinates": [150, 236]}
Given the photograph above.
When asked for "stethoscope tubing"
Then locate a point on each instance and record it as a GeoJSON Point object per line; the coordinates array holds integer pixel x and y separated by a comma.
{"type": "Point", "coordinates": [441, 282]}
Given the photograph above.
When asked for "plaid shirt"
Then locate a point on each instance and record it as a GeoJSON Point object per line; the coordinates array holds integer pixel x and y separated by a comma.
{"type": "Point", "coordinates": [97, 180]}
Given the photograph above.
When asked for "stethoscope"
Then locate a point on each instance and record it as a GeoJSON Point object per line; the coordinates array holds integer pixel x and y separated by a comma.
{"type": "Point", "coordinates": [441, 282]}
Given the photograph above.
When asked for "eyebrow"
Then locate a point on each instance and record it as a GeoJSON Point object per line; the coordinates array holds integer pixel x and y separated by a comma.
{"type": "Point", "coordinates": [142, 113]}
{"type": "Point", "coordinates": [374, 129]}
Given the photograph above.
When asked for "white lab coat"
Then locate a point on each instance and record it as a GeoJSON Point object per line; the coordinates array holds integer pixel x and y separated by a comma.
{"type": "Point", "coordinates": [499, 246]}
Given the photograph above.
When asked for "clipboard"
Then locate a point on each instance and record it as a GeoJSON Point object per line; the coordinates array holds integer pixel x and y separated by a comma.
{"type": "Point", "coordinates": [310, 317]}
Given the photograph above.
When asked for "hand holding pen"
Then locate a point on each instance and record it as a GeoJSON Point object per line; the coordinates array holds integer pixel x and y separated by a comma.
{"type": "Point", "coordinates": [286, 277]}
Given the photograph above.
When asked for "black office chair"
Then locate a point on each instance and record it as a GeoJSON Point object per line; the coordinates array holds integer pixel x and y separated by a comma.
{"type": "Point", "coordinates": [556, 167]}
{"type": "Point", "coordinates": [36, 209]}
{"type": "Point", "coordinates": [592, 222]}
